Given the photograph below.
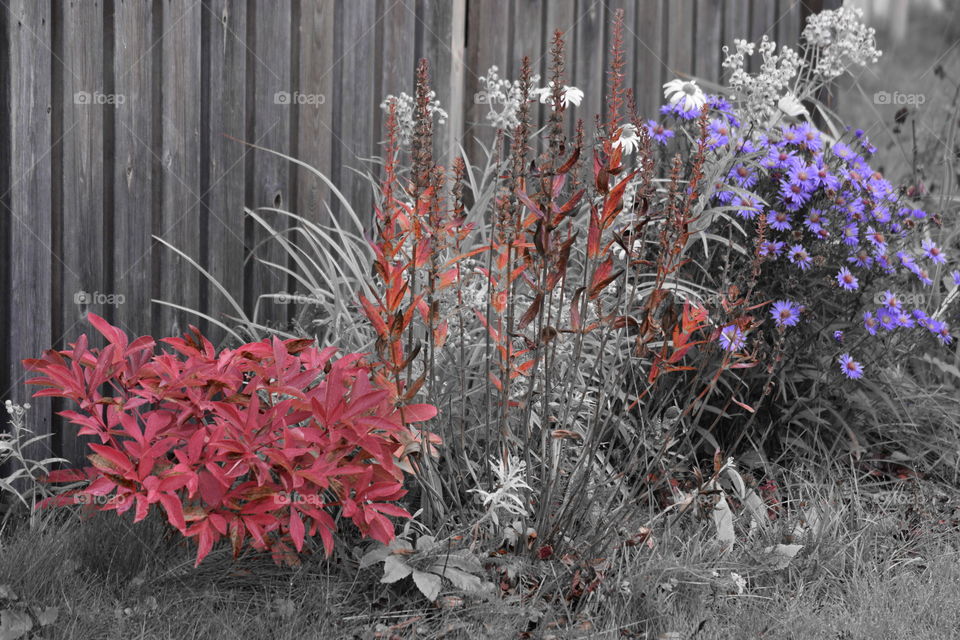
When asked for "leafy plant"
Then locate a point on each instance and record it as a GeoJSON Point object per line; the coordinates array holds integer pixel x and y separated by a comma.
{"type": "Point", "coordinates": [429, 563]}
{"type": "Point", "coordinates": [257, 444]}
{"type": "Point", "coordinates": [22, 481]}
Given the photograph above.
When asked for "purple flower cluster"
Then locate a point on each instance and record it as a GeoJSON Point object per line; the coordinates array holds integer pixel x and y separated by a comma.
{"type": "Point", "coordinates": [824, 211]}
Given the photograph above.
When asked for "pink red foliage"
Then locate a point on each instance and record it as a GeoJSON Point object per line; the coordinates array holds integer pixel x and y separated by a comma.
{"type": "Point", "coordinates": [257, 443]}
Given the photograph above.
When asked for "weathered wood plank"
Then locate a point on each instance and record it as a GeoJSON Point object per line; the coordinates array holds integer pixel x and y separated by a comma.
{"type": "Point", "coordinates": [28, 244]}
{"type": "Point", "coordinates": [651, 63]}
{"type": "Point", "coordinates": [223, 215]}
{"type": "Point", "coordinates": [316, 122]}
{"type": "Point", "coordinates": [708, 39]}
{"type": "Point", "coordinates": [399, 48]}
{"type": "Point", "coordinates": [134, 164]}
{"type": "Point", "coordinates": [736, 25]}
{"type": "Point", "coordinates": [762, 17]}
{"type": "Point", "coordinates": [85, 103]}
{"type": "Point", "coordinates": [439, 25]}
{"type": "Point", "coordinates": [358, 103]}
{"type": "Point", "coordinates": [487, 45]}
{"type": "Point", "coordinates": [788, 22]}
{"type": "Point", "coordinates": [588, 69]}
{"type": "Point", "coordinates": [180, 161]}
{"type": "Point", "coordinates": [680, 38]}
{"type": "Point", "coordinates": [272, 98]}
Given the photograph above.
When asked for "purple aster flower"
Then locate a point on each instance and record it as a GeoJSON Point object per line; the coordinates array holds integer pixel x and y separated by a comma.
{"type": "Point", "coordinates": [731, 338]}
{"type": "Point", "coordinates": [881, 214]}
{"type": "Point", "coordinates": [890, 300]}
{"type": "Point", "coordinates": [804, 175]}
{"type": "Point", "coordinates": [748, 206]}
{"type": "Point", "coordinates": [870, 323]}
{"type": "Point", "coordinates": [854, 208]}
{"type": "Point", "coordinates": [843, 152]}
{"type": "Point", "coordinates": [956, 277]}
{"type": "Point", "coordinates": [658, 132]}
{"type": "Point", "coordinates": [918, 214]}
{"type": "Point", "coordinates": [809, 137]}
{"type": "Point", "coordinates": [825, 178]}
{"type": "Point", "coordinates": [943, 333]}
{"type": "Point", "coordinates": [815, 220]}
{"type": "Point", "coordinates": [906, 259]}
{"type": "Point", "coordinates": [723, 195]}
{"type": "Point", "coordinates": [771, 248]}
{"type": "Point", "coordinates": [744, 146]}
{"type": "Point", "coordinates": [941, 330]}
{"type": "Point", "coordinates": [850, 367]}
{"type": "Point", "coordinates": [723, 107]}
{"type": "Point", "coordinates": [718, 134]}
{"type": "Point", "coordinates": [877, 239]}
{"type": "Point", "coordinates": [778, 159]}
{"type": "Point", "coordinates": [883, 261]}
{"type": "Point", "coordinates": [794, 193]}
{"type": "Point", "coordinates": [779, 220]}
{"type": "Point", "coordinates": [861, 258]}
{"type": "Point", "coordinates": [851, 234]}
{"type": "Point", "coordinates": [847, 280]}
{"type": "Point", "coordinates": [790, 135]}
{"type": "Point", "coordinates": [920, 316]}
{"type": "Point", "coordinates": [886, 318]}
{"type": "Point", "coordinates": [785, 313]}
{"type": "Point", "coordinates": [904, 319]}
{"type": "Point", "coordinates": [838, 335]}
{"type": "Point", "coordinates": [922, 276]}
{"type": "Point", "coordinates": [743, 176]}
{"type": "Point", "coordinates": [799, 256]}
{"type": "Point", "coordinates": [933, 252]}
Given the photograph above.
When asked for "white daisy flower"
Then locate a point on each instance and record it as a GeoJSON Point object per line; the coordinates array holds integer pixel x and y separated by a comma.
{"type": "Point", "coordinates": [571, 95]}
{"type": "Point", "coordinates": [685, 94]}
{"type": "Point", "coordinates": [628, 140]}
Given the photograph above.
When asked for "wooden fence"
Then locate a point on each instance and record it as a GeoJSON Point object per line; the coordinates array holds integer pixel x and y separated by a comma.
{"type": "Point", "coordinates": [122, 120]}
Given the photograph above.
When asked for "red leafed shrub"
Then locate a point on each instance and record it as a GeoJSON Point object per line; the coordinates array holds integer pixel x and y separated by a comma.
{"type": "Point", "coordinates": [258, 442]}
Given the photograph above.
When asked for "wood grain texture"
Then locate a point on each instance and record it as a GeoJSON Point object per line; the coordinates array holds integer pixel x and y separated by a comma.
{"type": "Point", "coordinates": [269, 80]}
{"type": "Point", "coordinates": [356, 136]}
{"type": "Point", "coordinates": [708, 39]}
{"type": "Point", "coordinates": [223, 217]}
{"type": "Point", "coordinates": [85, 103]}
{"type": "Point", "coordinates": [680, 14]}
{"type": "Point", "coordinates": [487, 45]}
{"type": "Point", "coordinates": [28, 246]}
{"type": "Point", "coordinates": [316, 123]}
{"type": "Point", "coordinates": [179, 222]}
{"type": "Point", "coordinates": [651, 66]}
{"type": "Point", "coordinates": [588, 63]}
{"type": "Point", "coordinates": [135, 163]}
